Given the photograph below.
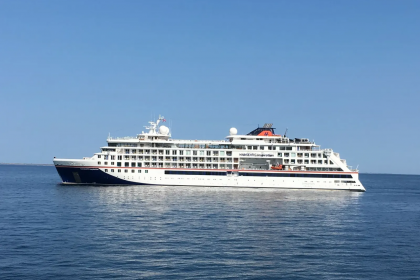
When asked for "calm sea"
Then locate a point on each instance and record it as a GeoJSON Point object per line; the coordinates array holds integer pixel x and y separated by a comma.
{"type": "Point", "coordinates": [52, 231]}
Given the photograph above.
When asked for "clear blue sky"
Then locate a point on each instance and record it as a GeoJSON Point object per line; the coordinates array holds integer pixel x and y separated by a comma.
{"type": "Point", "coordinates": [345, 73]}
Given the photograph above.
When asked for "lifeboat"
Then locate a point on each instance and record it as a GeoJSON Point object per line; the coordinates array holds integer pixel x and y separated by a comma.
{"type": "Point", "coordinates": [277, 167]}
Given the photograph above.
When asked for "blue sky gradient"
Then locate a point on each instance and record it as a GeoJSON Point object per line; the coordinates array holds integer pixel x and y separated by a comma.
{"type": "Point", "coordinates": [344, 73]}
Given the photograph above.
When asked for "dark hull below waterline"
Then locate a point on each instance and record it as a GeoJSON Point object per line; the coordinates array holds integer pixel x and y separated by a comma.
{"type": "Point", "coordinates": [70, 175]}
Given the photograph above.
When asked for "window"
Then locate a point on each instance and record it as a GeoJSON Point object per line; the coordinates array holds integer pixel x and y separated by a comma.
{"type": "Point", "coordinates": [99, 156]}
{"type": "Point", "coordinates": [254, 147]}
{"type": "Point", "coordinates": [119, 157]}
{"type": "Point", "coordinates": [132, 170]}
{"type": "Point", "coordinates": [119, 170]}
{"type": "Point", "coordinates": [112, 170]}
{"type": "Point", "coordinates": [138, 164]}
{"type": "Point", "coordinates": [99, 163]}
{"type": "Point", "coordinates": [127, 151]}
{"type": "Point", "coordinates": [279, 154]}
{"type": "Point", "coordinates": [126, 170]}
{"type": "Point", "coordinates": [174, 152]}
{"type": "Point", "coordinates": [146, 171]}
{"type": "Point", "coordinates": [106, 163]}
{"type": "Point", "coordinates": [222, 153]}
{"type": "Point", "coordinates": [181, 152]}
{"type": "Point", "coordinates": [112, 157]}
{"type": "Point", "coordinates": [106, 170]}
{"type": "Point", "coordinates": [208, 153]}
{"type": "Point", "coordinates": [293, 154]}
{"type": "Point", "coordinates": [139, 171]}
{"type": "Point", "coordinates": [118, 163]}
{"type": "Point", "coordinates": [112, 163]}
{"type": "Point", "coordinates": [188, 153]}
{"type": "Point", "coordinates": [194, 153]}
{"type": "Point", "coordinates": [167, 152]}
{"type": "Point", "coordinates": [261, 147]}
{"type": "Point", "coordinates": [133, 164]}
{"type": "Point", "coordinates": [201, 153]}
{"type": "Point", "coordinates": [126, 164]}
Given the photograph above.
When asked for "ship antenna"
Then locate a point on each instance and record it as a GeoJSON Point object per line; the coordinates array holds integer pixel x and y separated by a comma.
{"type": "Point", "coordinates": [285, 132]}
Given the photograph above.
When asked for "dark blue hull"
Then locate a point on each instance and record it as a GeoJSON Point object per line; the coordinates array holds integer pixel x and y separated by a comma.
{"type": "Point", "coordinates": [77, 175]}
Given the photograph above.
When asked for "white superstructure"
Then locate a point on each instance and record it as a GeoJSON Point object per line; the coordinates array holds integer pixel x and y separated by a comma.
{"type": "Point", "coordinates": [260, 159]}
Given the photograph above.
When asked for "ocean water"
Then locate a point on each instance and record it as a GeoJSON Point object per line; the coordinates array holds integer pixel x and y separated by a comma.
{"type": "Point", "coordinates": [53, 231]}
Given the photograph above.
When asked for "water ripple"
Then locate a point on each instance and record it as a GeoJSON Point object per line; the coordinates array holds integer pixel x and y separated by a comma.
{"type": "Point", "coordinates": [48, 230]}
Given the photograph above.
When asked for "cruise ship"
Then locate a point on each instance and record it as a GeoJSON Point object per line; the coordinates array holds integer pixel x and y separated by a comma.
{"type": "Point", "coordinates": [259, 159]}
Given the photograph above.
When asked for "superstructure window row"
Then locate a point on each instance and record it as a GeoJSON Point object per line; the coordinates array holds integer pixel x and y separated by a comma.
{"type": "Point", "coordinates": [175, 172]}
{"type": "Point", "coordinates": [295, 175]}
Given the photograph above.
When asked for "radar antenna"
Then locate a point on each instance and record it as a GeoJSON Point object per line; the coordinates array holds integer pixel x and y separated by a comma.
{"type": "Point", "coordinates": [153, 125]}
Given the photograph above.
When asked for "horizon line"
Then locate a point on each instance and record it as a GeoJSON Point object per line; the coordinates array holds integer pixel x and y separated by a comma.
{"type": "Point", "coordinates": [50, 164]}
